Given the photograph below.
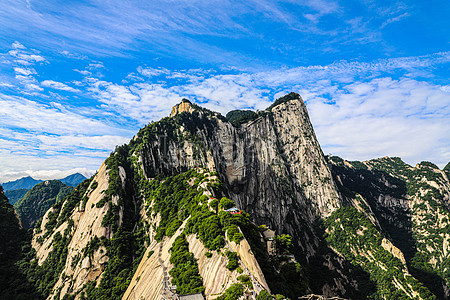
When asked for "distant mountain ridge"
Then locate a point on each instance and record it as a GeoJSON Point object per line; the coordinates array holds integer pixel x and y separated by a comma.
{"type": "Point", "coordinates": [28, 182]}
{"type": "Point", "coordinates": [23, 183]}
{"type": "Point", "coordinates": [73, 180]}
{"type": "Point", "coordinates": [16, 190]}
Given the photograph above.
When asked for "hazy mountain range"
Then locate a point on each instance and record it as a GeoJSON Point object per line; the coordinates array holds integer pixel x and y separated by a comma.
{"type": "Point", "coordinates": [15, 190]}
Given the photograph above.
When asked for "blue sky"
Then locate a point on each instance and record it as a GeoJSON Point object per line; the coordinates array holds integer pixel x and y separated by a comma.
{"type": "Point", "coordinates": [79, 77]}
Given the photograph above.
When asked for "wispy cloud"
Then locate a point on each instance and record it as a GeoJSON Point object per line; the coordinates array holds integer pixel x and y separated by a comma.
{"type": "Point", "coordinates": [189, 29]}
{"type": "Point", "coordinates": [20, 112]}
{"type": "Point", "coordinates": [23, 56]}
{"type": "Point", "coordinates": [395, 19]}
{"type": "Point", "coordinates": [23, 61]}
{"type": "Point", "coordinates": [83, 72]}
{"type": "Point", "coordinates": [150, 72]}
{"type": "Point", "coordinates": [59, 86]}
{"type": "Point", "coordinates": [360, 110]}
{"type": "Point", "coordinates": [24, 71]}
{"type": "Point", "coordinates": [36, 136]}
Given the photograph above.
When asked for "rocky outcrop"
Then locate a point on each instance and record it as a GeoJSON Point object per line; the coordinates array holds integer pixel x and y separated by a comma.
{"type": "Point", "coordinates": [184, 106]}
{"type": "Point", "coordinates": [151, 277]}
{"type": "Point", "coordinates": [216, 277]}
{"type": "Point", "coordinates": [249, 262]}
{"type": "Point", "coordinates": [388, 246]}
{"type": "Point", "coordinates": [86, 225]}
{"type": "Point", "coordinates": [271, 167]}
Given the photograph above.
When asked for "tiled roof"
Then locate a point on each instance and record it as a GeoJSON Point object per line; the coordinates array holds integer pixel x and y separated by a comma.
{"type": "Point", "coordinates": [192, 297]}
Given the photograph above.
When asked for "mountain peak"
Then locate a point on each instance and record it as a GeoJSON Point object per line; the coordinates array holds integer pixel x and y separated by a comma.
{"type": "Point", "coordinates": [73, 180]}
{"type": "Point", "coordinates": [184, 106]}
{"type": "Point", "coordinates": [286, 98]}
{"type": "Point", "coordinates": [23, 183]}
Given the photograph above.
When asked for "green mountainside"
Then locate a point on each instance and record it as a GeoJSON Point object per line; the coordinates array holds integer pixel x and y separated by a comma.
{"type": "Point", "coordinates": [15, 195]}
{"type": "Point", "coordinates": [238, 117]}
{"type": "Point", "coordinates": [16, 190]}
{"type": "Point", "coordinates": [33, 205]}
{"type": "Point", "coordinates": [14, 239]}
{"type": "Point", "coordinates": [179, 210]}
{"type": "Point", "coordinates": [447, 169]}
{"type": "Point", "coordinates": [411, 208]}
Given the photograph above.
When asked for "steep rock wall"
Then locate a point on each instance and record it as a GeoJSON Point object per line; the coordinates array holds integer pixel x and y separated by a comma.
{"type": "Point", "coordinates": [249, 261]}
{"type": "Point", "coordinates": [86, 225]}
{"type": "Point", "coordinates": [216, 277]}
{"type": "Point", "coordinates": [272, 167]}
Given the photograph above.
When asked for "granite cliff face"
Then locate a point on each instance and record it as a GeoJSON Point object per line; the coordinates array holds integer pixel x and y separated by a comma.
{"type": "Point", "coordinates": [272, 167]}
{"type": "Point", "coordinates": [155, 216]}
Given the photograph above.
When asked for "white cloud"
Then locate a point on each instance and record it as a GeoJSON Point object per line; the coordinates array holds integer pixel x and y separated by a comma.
{"type": "Point", "coordinates": [133, 77]}
{"type": "Point", "coordinates": [141, 102]}
{"type": "Point", "coordinates": [48, 139]}
{"type": "Point", "coordinates": [336, 86]}
{"type": "Point", "coordinates": [150, 72]}
{"type": "Point", "coordinates": [5, 84]}
{"type": "Point", "coordinates": [95, 66]}
{"type": "Point", "coordinates": [395, 19]}
{"type": "Point", "coordinates": [33, 87]}
{"type": "Point", "coordinates": [45, 174]}
{"type": "Point", "coordinates": [227, 92]}
{"type": "Point", "coordinates": [28, 81]}
{"type": "Point", "coordinates": [59, 86]}
{"type": "Point", "coordinates": [17, 45]}
{"type": "Point", "coordinates": [24, 71]}
{"type": "Point", "coordinates": [18, 112]}
{"type": "Point", "coordinates": [83, 72]}
{"type": "Point", "coordinates": [406, 118]}
{"type": "Point", "coordinates": [312, 17]}
{"type": "Point", "coordinates": [73, 143]}
{"type": "Point", "coordinates": [24, 58]}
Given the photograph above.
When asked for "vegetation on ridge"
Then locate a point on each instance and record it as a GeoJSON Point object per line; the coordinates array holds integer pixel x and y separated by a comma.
{"type": "Point", "coordinates": [14, 242]}
{"type": "Point", "coordinates": [39, 199]}
{"type": "Point", "coordinates": [416, 217]}
{"type": "Point", "coordinates": [284, 99]}
{"type": "Point", "coordinates": [239, 117]}
{"type": "Point", "coordinates": [353, 235]}
{"type": "Point", "coordinates": [127, 245]}
{"type": "Point", "coordinates": [185, 271]}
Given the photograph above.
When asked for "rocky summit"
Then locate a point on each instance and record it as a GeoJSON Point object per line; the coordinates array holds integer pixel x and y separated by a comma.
{"type": "Point", "coordinates": [202, 206]}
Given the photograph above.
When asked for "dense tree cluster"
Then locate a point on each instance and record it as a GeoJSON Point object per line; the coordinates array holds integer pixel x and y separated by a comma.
{"type": "Point", "coordinates": [239, 117]}
{"type": "Point", "coordinates": [39, 199]}
{"type": "Point", "coordinates": [284, 99]}
{"type": "Point", "coordinates": [185, 272]}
